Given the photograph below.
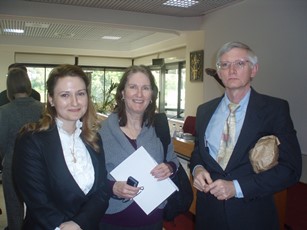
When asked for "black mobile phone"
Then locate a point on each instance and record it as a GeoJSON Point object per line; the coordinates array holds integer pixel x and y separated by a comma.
{"type": "Point", "coordinates": [132, 182]}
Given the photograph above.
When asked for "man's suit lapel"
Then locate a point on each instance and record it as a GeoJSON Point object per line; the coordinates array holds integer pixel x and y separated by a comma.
{"type": "Point", "coordinates": [251, 125]}
{"type": "Point", "coordinates": [205, 119]}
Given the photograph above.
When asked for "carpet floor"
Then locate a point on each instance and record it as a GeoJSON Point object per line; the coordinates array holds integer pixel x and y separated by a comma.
{"type": "Point", "coordinates": [296, 212]}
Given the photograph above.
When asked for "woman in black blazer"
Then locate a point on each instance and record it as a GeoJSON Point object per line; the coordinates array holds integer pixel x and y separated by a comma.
{"type": "Point", "coordinates": [59, 162]}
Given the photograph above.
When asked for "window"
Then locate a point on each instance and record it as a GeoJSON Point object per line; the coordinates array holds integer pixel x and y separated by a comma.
{"type": "Point", "coordinates": [170, 79]}
{"type": "Point", "coordinates": [101, 81]}
{"type": "Point", "coordinates": [103, 86]}
{"type": "Point", "coordinates": [38, 76]}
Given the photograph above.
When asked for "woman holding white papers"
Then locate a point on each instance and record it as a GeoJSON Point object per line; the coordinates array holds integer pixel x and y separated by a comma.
{"type": "Point", "coordinates": [59, 162]}
{"type": "Point", "coordinates": [129, 127]}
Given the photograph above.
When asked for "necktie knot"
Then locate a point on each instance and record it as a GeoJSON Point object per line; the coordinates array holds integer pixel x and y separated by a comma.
{"type": "Point", "coordinates": [233, 107]}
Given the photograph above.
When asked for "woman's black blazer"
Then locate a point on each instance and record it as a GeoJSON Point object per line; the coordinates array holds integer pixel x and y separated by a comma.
{"type": "Point", "coordinates": [48, 189]}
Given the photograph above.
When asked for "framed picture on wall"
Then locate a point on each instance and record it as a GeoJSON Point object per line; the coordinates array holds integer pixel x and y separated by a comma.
{"type": "Point", "coordinates": [196, 65]}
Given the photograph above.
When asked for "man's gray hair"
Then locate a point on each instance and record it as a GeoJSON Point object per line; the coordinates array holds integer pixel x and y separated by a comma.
{"type": "Point", "coordinates": [231, 45]}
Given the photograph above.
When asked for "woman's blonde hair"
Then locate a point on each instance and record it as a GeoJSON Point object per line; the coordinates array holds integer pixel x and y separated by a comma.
{"type": "Point", "coordinates": [90, 122]}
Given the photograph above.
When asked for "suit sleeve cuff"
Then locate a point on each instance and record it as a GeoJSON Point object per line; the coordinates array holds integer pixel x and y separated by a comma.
{"type": "Point", "coordinates": [239, 193]}
{"type": "Point", "coordinates": [195, 169]}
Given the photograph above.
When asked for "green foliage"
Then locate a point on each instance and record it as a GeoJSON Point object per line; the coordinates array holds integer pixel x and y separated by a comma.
{"type": "Point", "coordinates": [108, 105]}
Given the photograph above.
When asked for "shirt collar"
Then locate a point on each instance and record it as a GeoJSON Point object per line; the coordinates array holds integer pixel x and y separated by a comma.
{"type": "Point", "coordinates": [243, 103]}
{"type": "Point", "coordinates": [60, 124]}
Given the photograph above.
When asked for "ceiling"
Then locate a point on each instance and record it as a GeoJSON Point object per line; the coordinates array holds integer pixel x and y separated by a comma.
{"type": "Point", "coordinates": [82, 23]}
{"type": "Point", "coordinates": [146, 6]}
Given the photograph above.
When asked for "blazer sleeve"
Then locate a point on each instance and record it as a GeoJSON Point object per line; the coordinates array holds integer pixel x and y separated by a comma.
{"type": "Point", "coordinates": [32, 182]}
{"type": "Point", "coordinates": [276, 121]}
{"type": "Point", "coordinates": [3, 134]}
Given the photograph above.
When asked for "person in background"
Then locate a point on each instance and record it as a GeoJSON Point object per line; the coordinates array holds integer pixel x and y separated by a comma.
{"type": "Point", "coordinates": [129, 127]}
{"type": "Point", "coordinates": [231, 195]}
{"type": "Point", "coordinates": [21, 110]}
{"type": "Point", "coordinates": [59, 164]}
{"type": "Point", "coordinates": [3, 95]}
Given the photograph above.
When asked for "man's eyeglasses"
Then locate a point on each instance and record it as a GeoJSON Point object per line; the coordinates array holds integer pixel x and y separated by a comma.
{"type": "Point", "coordinates": [239, 64]}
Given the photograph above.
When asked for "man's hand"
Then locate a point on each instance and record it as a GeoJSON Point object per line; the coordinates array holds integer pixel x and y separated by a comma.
{"type": "Point", "coordinates": [222, 189]}
{"type": "Point", "coordinates": [202, 179]}
{"type": "Point", "coordinates": [70, 225]}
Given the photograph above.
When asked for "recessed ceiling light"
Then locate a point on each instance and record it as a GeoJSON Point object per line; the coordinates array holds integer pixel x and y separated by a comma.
{"type": "Point", "coordinates": [64, 35]}
{"type": "Point", "coordinates": [17, 31]}
{"type": "Point", "coordinates": [181, 3]}
{"type": "Point", "coordinates": [37, 25]}
{"type": "Point", "coordinates": [111, 37]}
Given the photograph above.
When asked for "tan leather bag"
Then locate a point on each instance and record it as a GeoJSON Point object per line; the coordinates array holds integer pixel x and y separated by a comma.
{"type": "Point", "coordinates": [265, 154]}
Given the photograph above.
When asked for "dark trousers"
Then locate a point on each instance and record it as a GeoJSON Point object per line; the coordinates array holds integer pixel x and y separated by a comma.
{"type": "Point", "coordinates": [13, 202]}
{"type": "Point", "coordinates": [157, 226]}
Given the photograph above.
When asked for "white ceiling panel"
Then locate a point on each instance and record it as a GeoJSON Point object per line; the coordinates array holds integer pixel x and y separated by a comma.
{"type": "Point", "coordinates": [83, 23]}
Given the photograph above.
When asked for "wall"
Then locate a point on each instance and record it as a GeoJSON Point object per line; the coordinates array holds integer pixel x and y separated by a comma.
{"type": "Point", "coordinates": [169, 56]}
{"type": "Point", "coordinates": [6, 58]}
{"type": "Point", "coordinates": [194, 90]}
{"type": "Point", "coordinates": [276, 30]}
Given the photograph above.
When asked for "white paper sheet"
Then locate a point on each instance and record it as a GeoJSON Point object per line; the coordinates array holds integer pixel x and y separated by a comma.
{"type": "Point", "coordinates": [138, 165]}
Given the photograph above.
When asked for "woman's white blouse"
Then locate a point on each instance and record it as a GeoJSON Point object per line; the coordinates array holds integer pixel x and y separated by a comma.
{"type": "Point", "coordinates": [82, 169]}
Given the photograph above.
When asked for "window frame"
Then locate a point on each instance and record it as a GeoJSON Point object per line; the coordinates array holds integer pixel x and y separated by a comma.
{"type": "Point", "coordinates": [180, 66]}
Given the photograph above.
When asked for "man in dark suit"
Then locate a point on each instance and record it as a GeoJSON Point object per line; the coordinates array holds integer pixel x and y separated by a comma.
{"type": "Point", "coordinates": [234, 196]}
{"type": "Point", "coordinates": [3, 95]}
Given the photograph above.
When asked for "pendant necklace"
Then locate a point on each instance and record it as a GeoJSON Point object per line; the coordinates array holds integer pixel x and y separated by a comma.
{"type": "Point", "coordinates": [72, 150]}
